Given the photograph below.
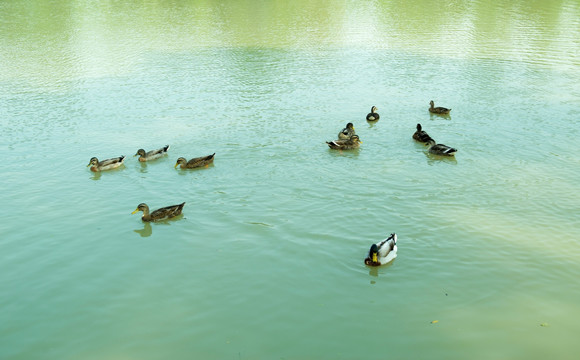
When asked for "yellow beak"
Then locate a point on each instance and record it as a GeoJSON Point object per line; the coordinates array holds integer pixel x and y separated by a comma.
{"type": "Point", "coordinates": [176, 165]}
{"type": "Point", "coordinates": [375, 258]}
{"type": "Point", "coordinates": [136, 210]}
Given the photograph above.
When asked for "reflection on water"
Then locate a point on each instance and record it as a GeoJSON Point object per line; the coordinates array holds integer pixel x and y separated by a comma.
{"type": "Point", "coordinates": [444, 116]}
{"type": "Point", "coordinates": [96, 175]}
{"type": "Point", "coordinates": [146, 231]}
{"type": "Point", "coordinates": [432, 158]}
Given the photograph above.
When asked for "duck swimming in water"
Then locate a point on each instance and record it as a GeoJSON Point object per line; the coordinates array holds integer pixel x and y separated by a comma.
{"type": "Point", "coordinates": [195, 162]}
{"type": "Point", "coordinates": [108, 164]}
{"type": "Point", "coordinates": [438, 110]}
{"type": "Point", "coordinates": [421, 136]}
{"type": "Point", "coordinates": [347, 132]}
{"type": "Point", "coordinates": [352, 143]}
{"type": "Point", "coordinates": [151, 155]}
{"type": "Point", "coordinates": [159, 214]}
{"type": "Point", "coordinates": [373, 115]}
{"type": "Point", "coordinates": [382, 252]}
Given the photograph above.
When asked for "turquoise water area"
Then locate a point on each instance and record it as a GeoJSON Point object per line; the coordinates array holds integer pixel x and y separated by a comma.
{"type": "Point", "coordinates": [266, 261]}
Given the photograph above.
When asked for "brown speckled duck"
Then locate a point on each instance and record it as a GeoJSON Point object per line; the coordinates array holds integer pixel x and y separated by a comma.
{"type": "Point", "coordinates": [352, 143]}
{"type": "Point", "coordinates": [373, 115]}
{"type": "Point", "coordinates": [421, 136]}
{"type": "Point", "coordinates": [195, 162]}
{"type": "Point", "coordinates": [438, 110]}
{"type": "Point", "coordinates": [108, 164]}
{"type": "Point", "coordinates": [151, 155]}
{"type": "Point", "coordinates": [347, 132]}
{"type": "Point", "coordinates": [159, 214]}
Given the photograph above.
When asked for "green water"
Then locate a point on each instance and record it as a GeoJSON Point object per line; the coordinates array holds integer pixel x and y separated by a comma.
{"type": "Point", "coordinates": [267, 260]}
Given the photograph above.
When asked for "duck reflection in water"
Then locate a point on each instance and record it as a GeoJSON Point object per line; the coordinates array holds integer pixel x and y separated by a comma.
{"type": "Point", "coordinates": [146, 231]}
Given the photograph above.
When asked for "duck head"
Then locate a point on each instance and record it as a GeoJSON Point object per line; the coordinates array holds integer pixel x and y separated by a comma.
{"type": "Point", "coordinates": [93, 161]}
{"type": "Point", "coordinates": [373, 258]}
{"type": "Point", "coordinates": [141, 207]}
{"type": "Point", "coordinates": [140, 152]}
{"type": "Point", "coordinates": [355, 139]}
{"type": "Point", "coordinates": [180, 161]}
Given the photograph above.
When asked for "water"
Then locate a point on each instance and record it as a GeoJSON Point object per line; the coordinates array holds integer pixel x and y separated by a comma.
{"type": "Point", "coordinates": [267, 260]}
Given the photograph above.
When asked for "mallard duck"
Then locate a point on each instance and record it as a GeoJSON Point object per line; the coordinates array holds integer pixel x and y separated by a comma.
{"type": "Point", "coordinates": [352, 143]}
{"type": "Point", "coordinates": [151, 155]}
{"type": "Point", "coordinates": [440, 149]}
{"type": "Point", "coordinates": [347, 132]}
{"type": "Point", "coordinates": [195, 162]}
{"type": "Point", "coordinates": [382, 252]}
{"type": "Point", "coordinates": [421, 136]}
{"type": "Point", "coordinates": [373, 115]}
{"type": "Point", "coordinates": [159, 214]}
{"type": "Point", "coordinates": [108, 164]}
{"type": "Point", "coordinates": [438, 110]}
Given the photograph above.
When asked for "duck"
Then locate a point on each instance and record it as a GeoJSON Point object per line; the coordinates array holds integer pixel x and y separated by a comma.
{"type": "Point", "coordinates": [382, 252]}
{"type": "Point", "coordinates": [438, 110]}
{"type": "Point", "coordinates": [159, 214]}
{"type": "Point", "coordinates": [347, 132]}
{"type": "Point", "coordinates": [421, 136]}
{"type": "Point", "coordinates": [151, 155]}
{"type": "Point", "coordinates": [195, 162]}
{"type": "Point", "coordinates": [108, 164]}
{"type": "Point", "coordinates": [373, 115]}
{"type": "Point", "coordinates": [440, 149]}
{"type": "Point", "coordinates": [352, 143]}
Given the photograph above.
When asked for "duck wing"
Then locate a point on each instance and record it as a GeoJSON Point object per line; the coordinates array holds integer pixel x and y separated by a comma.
{"type": "Point", "coordinates": [200, 161]}
{"type": "Point", "coordinates": [112, 161]}
{"type": "Point", "coordinates": [157, 152]}
{"type": "Point", "coordinates": [167, 212]}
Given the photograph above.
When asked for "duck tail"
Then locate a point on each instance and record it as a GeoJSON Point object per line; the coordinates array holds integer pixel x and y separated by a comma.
{"type": "Point", "coordinates": [166, 148]}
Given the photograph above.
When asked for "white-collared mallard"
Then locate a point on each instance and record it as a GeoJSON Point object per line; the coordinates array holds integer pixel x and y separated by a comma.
{"type": "Point", "coordinates": [352, 143]}
{"type": "Point", "coordinates": [440, 149]}
{"type": "Point", "coordinates": [159, 214]}
{"type": "Point", "coordinates": [382, 252]}
{"type": "Point", "coordinates": [151, 155]}
{"type": "Point", "coordinates": [438, 110]}
{"type": "Point", "coordinates": [373, 115]}
{"type": "Point", "coordinates": [108, 164]}
{"type": "Point", "coordinates": [195, 162]}
{"type": "Point", "coordinates": [347, 132]}
{"type": "Point", "coordinates": [421, 136]}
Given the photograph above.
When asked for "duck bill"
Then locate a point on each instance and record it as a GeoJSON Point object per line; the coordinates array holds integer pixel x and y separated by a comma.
{"type": "Point", "coordinates": [136, 210]}
{"type": "Point", "coordinates": [176, 165]}
{"type": "Point", "coordinates": [374, 257]}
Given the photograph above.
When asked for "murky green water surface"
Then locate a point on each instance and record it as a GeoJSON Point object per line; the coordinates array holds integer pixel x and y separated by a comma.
{"type": "Point", "coordinates": [267, 260]}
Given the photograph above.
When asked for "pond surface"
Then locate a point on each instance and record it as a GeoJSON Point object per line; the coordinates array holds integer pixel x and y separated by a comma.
{"type": "Point", "coordinates": [266, 261]}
